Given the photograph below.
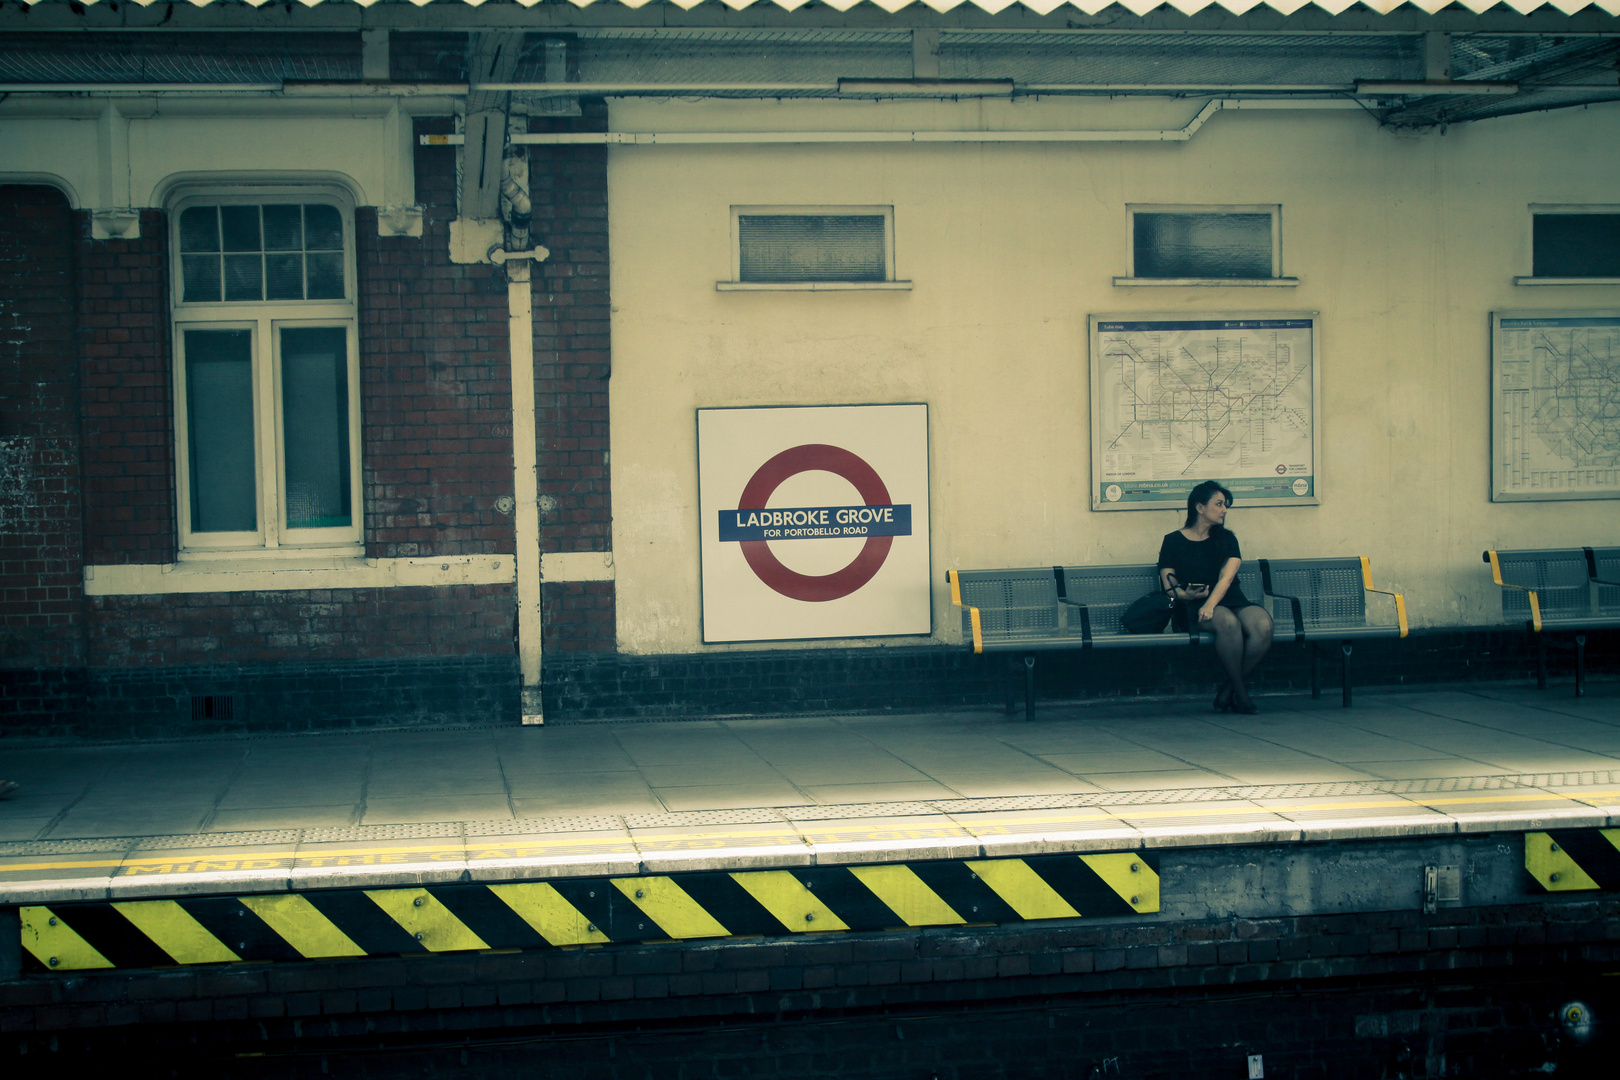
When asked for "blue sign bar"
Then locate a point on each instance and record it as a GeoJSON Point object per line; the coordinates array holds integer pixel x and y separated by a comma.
{"type": "Point", "coordinates": [1206, 324]}
{"type": "Point", "coordinates": [815, 523]}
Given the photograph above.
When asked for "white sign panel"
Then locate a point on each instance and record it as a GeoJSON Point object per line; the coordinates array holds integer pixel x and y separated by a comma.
{"type": "Point", "coordinates": [814, 522]}
{"type": "Point", "coordinates": [1555, 405]}
{"type": "Point", "coordinates": [1179, 399]}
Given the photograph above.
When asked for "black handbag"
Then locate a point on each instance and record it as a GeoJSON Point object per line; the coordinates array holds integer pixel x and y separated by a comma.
{"type": "Point", "coordinates": [1150, 614]}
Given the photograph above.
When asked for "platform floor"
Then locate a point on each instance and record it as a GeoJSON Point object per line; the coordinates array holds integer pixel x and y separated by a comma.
{"type": "Point", "coordinates": [274, 812]}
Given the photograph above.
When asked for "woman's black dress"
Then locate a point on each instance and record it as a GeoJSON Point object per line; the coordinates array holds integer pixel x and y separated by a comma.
{"type": "Point", "coordinates": [1199, 562]}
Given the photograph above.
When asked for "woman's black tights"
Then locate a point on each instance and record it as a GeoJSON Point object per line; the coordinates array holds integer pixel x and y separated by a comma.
{"type": "Point", "coordinates": [1241, 640]}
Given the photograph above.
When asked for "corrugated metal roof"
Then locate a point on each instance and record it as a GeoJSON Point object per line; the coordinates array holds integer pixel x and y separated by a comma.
{"type": "Point", "coordinates": [1043, 7]}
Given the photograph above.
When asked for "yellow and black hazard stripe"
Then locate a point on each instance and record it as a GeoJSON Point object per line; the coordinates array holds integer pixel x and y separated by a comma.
{"type": "Point", "coordinates": [332, 923]}
{"type": "Point", "coordinates": [1571, 860]}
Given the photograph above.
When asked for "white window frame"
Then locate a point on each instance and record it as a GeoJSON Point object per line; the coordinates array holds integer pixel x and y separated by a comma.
{"type": "Point", "coordinates": [265, 319]}
{"type": "Point", "coordinates": [1276, 280]}
{"type": "Point", "coordinates": [1537, 209]}
{"type": "Point", "coordinates": [736, 284]}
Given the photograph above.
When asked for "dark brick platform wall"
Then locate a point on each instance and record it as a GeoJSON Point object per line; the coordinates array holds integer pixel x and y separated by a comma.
{"type": "Point", "coordinates": [436, 384]}
{"type": "Point", "coordinates": [41, 541]}
{"type": "Point", "coordinates": [311, 695]}
{"type": "Point", "coordinates": [1466, 992]}
{"type": "Point", "coordinates": [126, 395]}
{"type": "Point", "coordinates": [786, 681]}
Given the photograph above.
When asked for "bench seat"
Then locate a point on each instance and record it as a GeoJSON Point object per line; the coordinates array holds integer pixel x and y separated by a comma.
{"type": "Point", "coordinates": [1047, 608]}
{"type": "Point", "coordinates": [1560, 590]}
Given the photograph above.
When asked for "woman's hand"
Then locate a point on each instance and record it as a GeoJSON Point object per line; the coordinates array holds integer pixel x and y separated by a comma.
{"type": "Point", "coordinates": [1206, 613]}
{"type": "Point", "coordinates": [1192, 592]}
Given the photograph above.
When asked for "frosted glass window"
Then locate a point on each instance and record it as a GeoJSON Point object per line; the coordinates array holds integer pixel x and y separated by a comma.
{"type": "Point", "coordinates": [1203, 245]}
{"type": "Point", "coordinates": [812, 247]}
{"type": "Point", "coordinates": [1576, 245]}
{"type": "Point", "coordinates": [219, 421]}
{"type": "Point", "coordinates": [315, 426]}
{"type": "Point", "coordinates": [270, 251]}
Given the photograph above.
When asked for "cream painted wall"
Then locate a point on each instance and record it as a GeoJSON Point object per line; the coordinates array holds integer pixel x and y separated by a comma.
{"type": "Point", "coordinates": [1404, 243]}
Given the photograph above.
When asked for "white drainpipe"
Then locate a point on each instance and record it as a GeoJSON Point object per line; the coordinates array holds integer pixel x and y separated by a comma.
{"type": "Point", "coordinates": [518, 258]}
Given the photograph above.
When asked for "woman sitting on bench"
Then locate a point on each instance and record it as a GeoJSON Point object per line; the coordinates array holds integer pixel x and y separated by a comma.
{"type": "Point", "coordinates": [1204, 558]}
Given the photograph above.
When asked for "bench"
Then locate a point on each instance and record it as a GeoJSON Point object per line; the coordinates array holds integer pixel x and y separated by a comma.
{"type": "Point", "coordinates": [1050, 608]}
{"type": "Point", "coordinates": [1559, 589]}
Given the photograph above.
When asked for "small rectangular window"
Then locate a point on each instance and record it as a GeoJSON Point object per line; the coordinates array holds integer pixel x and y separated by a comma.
{"type": "Point", "coordinates": [812, 247]}
{"type": "Point", "coordinates": [1575, 244]}
{"type": "Point", "coordinates": [1198, 245]}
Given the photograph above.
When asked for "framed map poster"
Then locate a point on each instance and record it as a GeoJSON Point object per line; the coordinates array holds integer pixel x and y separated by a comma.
{"type": "Point", "coordinates": [1179, 399]}
{"type": "Point", "coordinates": [814, 522]}
{"type": "Point", "coordinates": [1555, 405]}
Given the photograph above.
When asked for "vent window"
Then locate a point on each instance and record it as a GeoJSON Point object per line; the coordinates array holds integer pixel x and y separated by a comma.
{"type": "Point", "coordinates": [1576, 245]}
{"type": "Point", "coordinates": [1199, 243]}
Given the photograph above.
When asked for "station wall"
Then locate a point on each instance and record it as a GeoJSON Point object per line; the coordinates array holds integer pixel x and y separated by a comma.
{"type": "Point", "coordinates": [1404, 242]}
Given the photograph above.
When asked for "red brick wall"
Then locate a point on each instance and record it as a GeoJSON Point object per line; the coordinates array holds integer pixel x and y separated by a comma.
{"type": "Point", "coordinates": [568, 186]}
{"type": "Point", "coordinates": [301, 626]}
{"type": "Point", "coordinates": [572, 363]}
{"type": "Point", "coordinates": [436, 388]}
{"type": "Point", "coordinates": [578, 616]}
{"type": "Point", "coordinates": [126, 401]}
{"type": "Point", "coordinates": [41, 601]}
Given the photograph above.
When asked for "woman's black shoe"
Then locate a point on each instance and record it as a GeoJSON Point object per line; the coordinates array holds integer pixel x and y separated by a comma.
{"type": "Point", "coordinates": [1244, 705]}
{"type": "Point", "coordinates": [1223, 699]}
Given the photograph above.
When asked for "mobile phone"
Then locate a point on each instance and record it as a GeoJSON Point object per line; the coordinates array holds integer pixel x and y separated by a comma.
{"type": "Point", "coordinates": [1195, 585]}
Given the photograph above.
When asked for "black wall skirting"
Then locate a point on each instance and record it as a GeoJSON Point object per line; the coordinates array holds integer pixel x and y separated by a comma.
{"type": "Point", "coordinates": [766, 682]}
{"type": "Point", "coordinates": [167, 702]}
{"type": "Point", "coordinates": [326, 695]}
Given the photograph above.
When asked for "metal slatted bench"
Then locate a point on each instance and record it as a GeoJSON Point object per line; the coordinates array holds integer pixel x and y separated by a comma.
{"type": "Point", "coordinates": [1041, 609]}
{"type": "Point", "coordinates": [1317, 600]}
{"type": "Point", "coordinates": [1559, 589]}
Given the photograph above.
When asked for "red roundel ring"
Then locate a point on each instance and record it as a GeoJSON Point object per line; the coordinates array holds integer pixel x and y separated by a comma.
{"type": "Point", "coordinates": [815, 457]}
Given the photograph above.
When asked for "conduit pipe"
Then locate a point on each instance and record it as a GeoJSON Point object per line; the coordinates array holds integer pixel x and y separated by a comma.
{"type": "Point", "coordinates": [652, 138]}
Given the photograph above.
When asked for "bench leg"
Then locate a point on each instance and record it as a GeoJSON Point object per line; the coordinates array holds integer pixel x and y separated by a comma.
{"type": "Point", "coordinates": [1580, 665]}
{"type": "Point", "coordinates": [1009, 683]}
{"type": "Point", "coordinates": [1344, 648]}
{"type": "Point", "coordinates": [1316, 671]}
{"type": "Point", "coordinates": [1029, 686]}
{"type": "Point", "coordinates": [1541, 662]}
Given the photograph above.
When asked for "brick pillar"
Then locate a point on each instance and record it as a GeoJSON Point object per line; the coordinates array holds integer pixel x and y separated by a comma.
{"type": "Point", "coordinates": [41, 543]}
{"type": "Point", "coordinates": [572, 315]}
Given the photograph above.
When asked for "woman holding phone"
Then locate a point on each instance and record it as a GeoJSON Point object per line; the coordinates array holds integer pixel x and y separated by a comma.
{"type": "Point", "coordinates": [1203, 557]}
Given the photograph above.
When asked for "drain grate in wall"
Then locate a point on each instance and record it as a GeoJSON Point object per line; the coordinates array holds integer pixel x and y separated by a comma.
{"type": "Point", "coordinates": [212, 706]}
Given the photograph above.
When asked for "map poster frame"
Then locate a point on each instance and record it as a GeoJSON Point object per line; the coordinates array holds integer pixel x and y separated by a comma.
{"type": "Point", "coordinates": [1514, 403]}
{"type": "Point", "coordinates": [813, 522]}
{"type": "Point", "coordinates": [1285, 473]}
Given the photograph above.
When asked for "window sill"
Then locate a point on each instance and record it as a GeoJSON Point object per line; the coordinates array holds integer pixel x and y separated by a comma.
{"type": "Point", "coordinates": [1208, 282]}
{"type": "Point", "coordinates": [1566, 281]}
{"type": "Point", "coordinates": [811, 286]}
{"type": "Point", "coordinates": [225, 574]}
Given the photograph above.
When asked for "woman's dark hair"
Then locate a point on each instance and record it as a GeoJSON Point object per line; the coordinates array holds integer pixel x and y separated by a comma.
{"type": "Point", "coordinates": [1200, 495]}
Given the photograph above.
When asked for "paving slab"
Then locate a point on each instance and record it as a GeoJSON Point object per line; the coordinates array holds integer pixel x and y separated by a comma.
{"type": "Point", "coordinates": [233, 814]}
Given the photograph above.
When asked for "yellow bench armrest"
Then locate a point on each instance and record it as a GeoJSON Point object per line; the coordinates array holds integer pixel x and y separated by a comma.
{"type": "Point", "coordinates": [973, 612]}
{"type": "Point", "coordinates": [1400, 600]}
{"type": "Point", "coordinates": [1535, 601]}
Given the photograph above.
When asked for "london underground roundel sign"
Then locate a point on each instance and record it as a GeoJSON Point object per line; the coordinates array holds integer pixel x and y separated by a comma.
{"type": "Point", "coordinates": [814, 521]}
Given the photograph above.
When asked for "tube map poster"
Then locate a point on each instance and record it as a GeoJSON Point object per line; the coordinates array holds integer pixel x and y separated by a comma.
{"type": "Point", "coordinates": [1176, 400]}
